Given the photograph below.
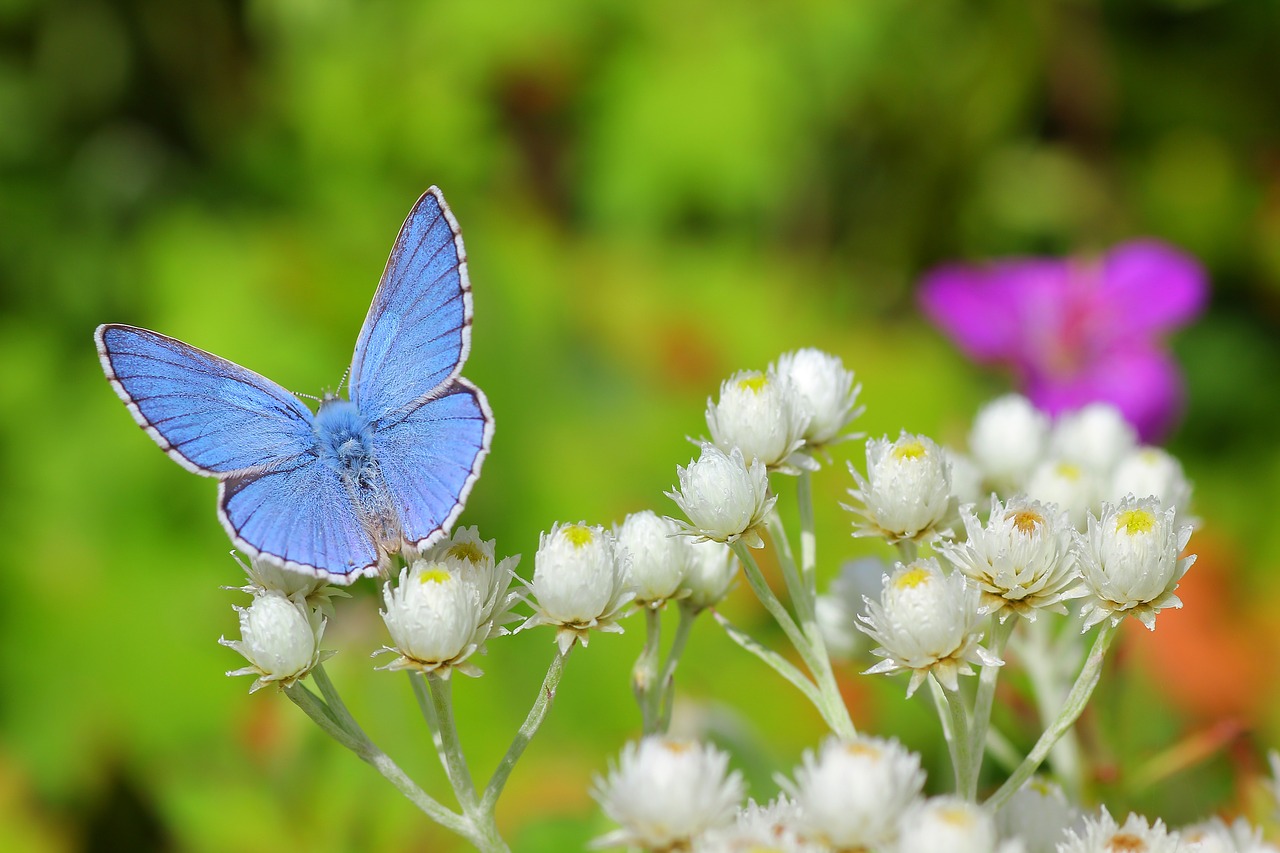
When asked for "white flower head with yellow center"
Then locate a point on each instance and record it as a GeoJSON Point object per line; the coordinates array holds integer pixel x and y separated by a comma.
{"type": "Point", "coordinates": [1101, 834]}
{"type": "Point", "coordinates": [579, 582]}
{"type": "Point", "coordinates": [279, 637]}
{"type": "Point", "coordinates": [473, 560]}
{"type": "Point", "coordinates": [1072, 488]}
{"type": "Point", "coordinates": [434, 617]}
{"type": "Point", "coordinates": [1153, 471]}
{"type": "Point", "coordinates": [948, 823]}
{"type": "Point", "coordinates": [1022, 559]}
{"type": "Point", "coordinates": [724, 498]}
{"type": "Point", "coordinates": [823, 393]}
{"type": "Point", "coordinates": [1130, 560]}
{"type": "Point", "coordinates": [665, 792]}
{"type": "Point", "coordinates": [906, 495]}
{"type": "Point", "coordinates": [756, 413]}
{"type": "Point", "coordinates": [1007, 441]}
{"type": "Point", "coordinates": [928, 623]}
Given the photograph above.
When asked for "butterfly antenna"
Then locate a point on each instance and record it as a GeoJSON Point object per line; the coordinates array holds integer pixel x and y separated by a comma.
{"type": "Point", "coordinates": [343, 381]}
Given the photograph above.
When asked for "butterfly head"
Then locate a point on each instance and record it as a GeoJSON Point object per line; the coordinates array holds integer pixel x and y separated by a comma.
{"type": "Point", "coordinates": [343, 438]}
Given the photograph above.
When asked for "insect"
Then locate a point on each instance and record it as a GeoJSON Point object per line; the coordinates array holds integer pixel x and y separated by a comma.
{"type": "Point", "coordinates": [335, 492]}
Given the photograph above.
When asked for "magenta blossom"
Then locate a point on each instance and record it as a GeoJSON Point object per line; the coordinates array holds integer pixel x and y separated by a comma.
{"type": "Point", "coordinates": [1077, 330]}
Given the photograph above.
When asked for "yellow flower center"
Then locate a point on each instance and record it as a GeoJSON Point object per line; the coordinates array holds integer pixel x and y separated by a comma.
{"type": "Point", "coordinates": [754, 383]}
{"type": "Point", "coordinates": [1124, 842]}
{"type": "Point", "coordinates": [955, 816]}
{"type": "Point", "coordinates": [911, 449]}
{"type": "Point", "coordinates": [1026, 520]}
{"type": "Point", "coordinates": [912, 578]}
{"type": "Point", "coordinates": [859, 749]}
{"type": "Point", "coordinates": [1067, 471]}
{"type": "Point", "coordinates": [578, 535]}
{"type": "Point", "coordinates": [435, 574]}
{"type": "Point", "coordinates": [468, 551]}
{"type": "Point", "coordinates": [677, 747]}
{"type": "Point", "coordinates": [1135, 521]}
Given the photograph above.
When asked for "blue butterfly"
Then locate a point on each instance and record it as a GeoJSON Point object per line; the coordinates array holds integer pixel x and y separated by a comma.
{"type": "Point", "coordinates": [332, 493]}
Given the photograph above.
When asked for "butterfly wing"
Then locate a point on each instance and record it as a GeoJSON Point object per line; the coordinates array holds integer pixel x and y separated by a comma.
{"type": "Point", "coordinates": [210, 415]}
{"type": "Point", "coordinates": [277, 497]}
{"type": "Point", "coordinates": [430, 456]}
{"type": "Point", "coordinates": [300, 514]}
{"type": "Point", "coordinates": [418, 330]}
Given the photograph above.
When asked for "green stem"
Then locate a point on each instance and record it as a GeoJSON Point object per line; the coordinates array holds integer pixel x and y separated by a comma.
{"type": "Point", "coordinates": [644, 675]}
{"type": "Point", "coordinates": [1071, 709]}
{"type": "Point", "coordinates": [541, 705]}
{"type": "Point", "coordinates": [777, 663]}
{"type": "Point", "coordinates": [1044, 665]}
{"type": "Point", "coordinates": [907, 551]}
{"type": "Point", "coordinates": [323, 716]}
{"type": "Point", "coordinates": [666, 683]}
{"type": "Point", "coordinates": [445, 736]}
{"type": "Point", "coordinates": [984, 699]}
{"type": "Point", "coordinates": [958, 744]}
{"type": "Point", "coordinates": [760, 586]}
{"type": "Point", "coordinates": [808, 540]}
{"type": "Point", "coordinates": [797, 588]}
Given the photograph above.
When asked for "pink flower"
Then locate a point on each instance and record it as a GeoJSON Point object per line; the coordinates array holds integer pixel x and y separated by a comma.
{"type": "Point", "coordinates": [1077, 330]}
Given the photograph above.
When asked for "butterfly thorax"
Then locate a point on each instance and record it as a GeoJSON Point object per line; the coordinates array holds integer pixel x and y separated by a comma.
{"type": "Point", "coordinates": [342, 436]}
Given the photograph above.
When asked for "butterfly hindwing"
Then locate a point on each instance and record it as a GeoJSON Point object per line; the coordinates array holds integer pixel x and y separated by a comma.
{"type": "Point", "coordinates": [210, 415]}
{"type": "Point", "coordinates": [417, 333]}
{"type": "Point", "coordinates": [431, 457]}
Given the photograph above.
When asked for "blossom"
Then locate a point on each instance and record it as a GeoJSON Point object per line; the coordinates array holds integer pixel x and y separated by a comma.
{"type": "Point", "coordinates": [1021, 559]}
{"type": "Point", "coordinates": [579, 582]}
{"type": "Point", "coordinates": [823, 393]}
{"type": "Point", "coordinates": [1006, 442]}
{"type": "Point", "coordinates": [928, 623]}
{"type": "Point", "coordinates": [947, 823]}
{"type": "Point", "coordinates": [906, 495]}
{"type": "Point", "coordinates": [265, 575]}
{"type": "Point", "coordinates": [1102, 834]}
{"type": "Point", "coordinates": [1095, 437]}
{"type": "Point", "coordinates": [1037, 813]}
{"type": "Point", "coordinates": [659, 558]}
{"type": "Point", "coordinates": [1076, 330]}
{"type": "Point", "coordinates": [1129, 560]}
{"type": "Point", "coordinates": [1068, 486]}
{"type": "Point", "coordinates": [280, 637]}
{"type": "Point", "coordinates": [852, 792]}
{"type": "Point", "coordinates": [664, 792]}
{"type": "Point", "coordinates": [1152, 471]}
{"type": "Point", "coordinates": [724, 499]}
{"type": "Point", "coordinates": [1217, 836]}
{"type": "Point", "coordinates": [756, 413]}
{"type": "Point", "coordinates": [433, 616]}
{"type": "Point", "coordinates": [712, 568]}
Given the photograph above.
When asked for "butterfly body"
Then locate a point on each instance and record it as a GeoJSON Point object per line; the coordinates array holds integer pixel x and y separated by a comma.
{"type": "Point", "coordinates": [333, 492]}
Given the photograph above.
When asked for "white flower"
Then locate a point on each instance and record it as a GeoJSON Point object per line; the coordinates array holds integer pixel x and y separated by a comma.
{"type": "Point", "coordinates": [434, 618]}
{"type": "Point", "coordinates": [659, 558]}
{"type": "Point", "coordinates": [926, 622]}
{"type": "Point", "coordinates": [724, 499]}
{"type": "Point", "coordinates": [966, 479]}
{"type": "Point", "coordinates": [837, 609]}
{"type": "Point", "coordinates": [1021, 560]}
{"type": "Point", "coordinates": [824, 392]}
{"type": "Point", "coordinates": [579, 582]}
{"type": "Point", "coordinates": [664, 792]}
{"type": "Point", "coordinates": [756, 414]}
{"type": "Point", "coordinates": [851, 794]}
{"type": "Point", "coordinates": [1007, 441]}
{"type": "Point", "coordinates": [771, 828]}
{"type": "Point", "coordinates": [1129, 559]}
{"type": "Point", "coordinates": [1038, 813]}
{"type": "Point", "coordinates": [1073, 489]}
{"type": "Point", "coordinates": [265, 575]}
{"type": "Point", "coordinates": [1095, 437]}
{"type": "Point", "coordinates": [946, 823]}
{"type": "Point", "coordinates": [473, 560]}
{"type": "Point", "coordinates": [907, 492]}
{"type": "Point", "coordinates": [1152, 471]}
{"type": "Point", "coordinates": [280, 637]}
{"type": "Point", "coordinates": [1217, 836]}
{"type": "Point", "coordinates": [1104, 835]}
{"type": "Point", "coordinates": [712, 568]}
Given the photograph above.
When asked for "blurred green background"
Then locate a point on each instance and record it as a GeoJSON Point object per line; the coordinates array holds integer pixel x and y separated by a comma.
{"type": "Point", "coordinates": [653, 195]}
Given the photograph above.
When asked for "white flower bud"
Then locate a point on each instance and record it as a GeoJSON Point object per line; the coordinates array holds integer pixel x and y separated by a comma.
{"type": "Point", "coordinates": [947, 823]}
{"type": "Point", "coordinates": [724, 499]}
{"type": "Point", "coordinates": [1217, 836]}
{"type": "Point", "coordinates": [926, 622]}
{"type": "Point", "coordinates": [1102, 835]}
{"type": "Point", "coordinates": [712, 568]}
{"type": "Point", "coordinates": [1007, 440]}
{"type": "Point", "coordinates": [432, 615]}
{"type": "Point", "coordinates": [1152, 471]}
{"type": "Point", "coordinates": [755, 414]}
{"type": "Point", "coordinates": [1038, 813]}
{"type": "Point", "coordinates": [664, 792]}
{"type": "Point", "coordinates": [472, 560]}
{"type": "Point", "coordinates": [771, 828]}
{"type": "Point", "coordinates": [659, 557]}
{"type": "Point", "coordinates": [1129, 560]}
{"type": "Point", "coordinates": [1073, 489]}
{"type": "Point", "coordinates": [823, 391]}
{"type": "Point", "coordinates": [1095, 437]}
{"type": "Point", "coordinates": [1021, 560]}
{"type": "Point", "coordinates": [852, 793]}
{"type": "Point", "coordinates": [579, 582]}
{"type": "Point", "coordinates": [280, 637]}
{"type": "Point", "coordinates": [265, 575]}
{"type": "Point", "coordinates": [907, 492]}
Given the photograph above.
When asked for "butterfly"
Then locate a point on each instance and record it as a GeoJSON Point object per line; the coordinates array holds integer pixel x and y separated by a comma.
{"type": "Point", "coordinates": [331, 493]}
